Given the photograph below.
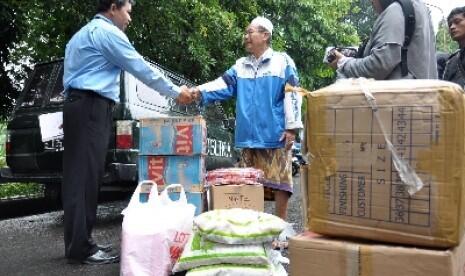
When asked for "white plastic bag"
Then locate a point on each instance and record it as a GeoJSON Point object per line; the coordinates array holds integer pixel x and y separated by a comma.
{"type": "Point", "coordinates": [154, 233]}
{"type": "Point", "coordinates": [180, 221]}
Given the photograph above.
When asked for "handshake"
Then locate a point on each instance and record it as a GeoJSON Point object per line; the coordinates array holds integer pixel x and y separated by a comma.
{"type": "Point", "coordinates": [188, 95]}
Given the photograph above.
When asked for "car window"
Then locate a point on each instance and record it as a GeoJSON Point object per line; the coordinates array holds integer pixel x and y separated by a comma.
{"type": "Point", "coordinates": [176, 109]}
{"type": "Point", "coordinates": [37, 88]}
{"type": "Point", "coordinates": [56, 96]}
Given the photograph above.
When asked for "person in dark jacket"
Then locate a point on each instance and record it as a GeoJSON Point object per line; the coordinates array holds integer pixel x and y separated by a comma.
{"type": "Point", "coordinates": [441, 60]}
{"type": "Point", "coordinates": [455, 67]}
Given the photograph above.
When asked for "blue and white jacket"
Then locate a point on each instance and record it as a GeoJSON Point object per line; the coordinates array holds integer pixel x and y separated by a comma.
{"type": "Point", "coordinates": [263, 110]}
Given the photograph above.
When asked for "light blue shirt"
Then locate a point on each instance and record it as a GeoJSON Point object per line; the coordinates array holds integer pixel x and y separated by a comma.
{"type": "Point", "coordinates": [98, 52]}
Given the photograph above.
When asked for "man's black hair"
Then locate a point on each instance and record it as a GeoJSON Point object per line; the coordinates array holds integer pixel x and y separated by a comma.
{"type": "Point", "coordinates": [454, 12]}
{"type": "Point", "coordinates": [104, 5]}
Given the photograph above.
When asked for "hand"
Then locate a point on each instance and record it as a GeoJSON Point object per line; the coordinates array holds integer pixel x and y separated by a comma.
{"type": "Point", "coordinates": [289, 137]}
{"type": "Point", "coordinates": [195, 91]}
{"type": "Point", "coordinates": [337, 57]}
{"type": "Point", "coordinates": [185, 97]}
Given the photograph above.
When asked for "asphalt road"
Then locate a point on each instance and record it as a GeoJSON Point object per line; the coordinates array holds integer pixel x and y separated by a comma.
{"type": "Point", "coordinates": [33, 245]}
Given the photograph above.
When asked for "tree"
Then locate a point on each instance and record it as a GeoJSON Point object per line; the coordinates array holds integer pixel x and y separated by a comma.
{"type": "Point", "coordinates": [9, 32]}
{"type": "Point", "coordinates": [361, 16]}
{"type": "Point", "coordinates": [444, 43]}
{"type": "Point", "coordinates": [199, 39]}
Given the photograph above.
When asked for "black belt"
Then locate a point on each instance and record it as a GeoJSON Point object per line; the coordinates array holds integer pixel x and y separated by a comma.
{"type": "Point", "coordinates": [88, 93]}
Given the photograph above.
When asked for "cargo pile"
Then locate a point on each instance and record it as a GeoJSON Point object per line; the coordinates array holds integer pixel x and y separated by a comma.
{"type": "Point", "coordinates": [385, 188]}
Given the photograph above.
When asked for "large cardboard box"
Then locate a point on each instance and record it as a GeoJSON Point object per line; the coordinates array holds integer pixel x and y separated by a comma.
{"type": "Point", "coordinates": [237, 196]}
{"type": "Point", "coordinates": [353, 185]}
{"type": "Point", "coordinates": [173, 136]}
{"type": "Point", "coordinates": [314, 255]}
{"type": "Point", "coordinates": [164, 170]}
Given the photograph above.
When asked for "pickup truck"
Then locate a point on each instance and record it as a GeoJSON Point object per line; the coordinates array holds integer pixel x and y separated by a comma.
{"type": "Point", "coordinates": [31, 160]}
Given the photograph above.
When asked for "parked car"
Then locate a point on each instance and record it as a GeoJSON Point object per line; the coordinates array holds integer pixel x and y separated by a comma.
{"type": "Point", "coordinates": [31, 160]}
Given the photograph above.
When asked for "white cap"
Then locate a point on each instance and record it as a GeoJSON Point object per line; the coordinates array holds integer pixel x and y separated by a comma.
{"type": "Point", "coordinates": [263, 22]}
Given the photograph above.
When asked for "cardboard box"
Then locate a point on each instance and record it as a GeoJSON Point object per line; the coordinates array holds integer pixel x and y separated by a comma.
{"type": "Point", "coordinates": [173, 136]}
{"type": "Point", "coordinates": [311, 254]}
{"type": "Point", "coordinates": [197, 199]}
{"type": "Point", "coordinates": [237, 196]}
{"type": "Point", "coordinates": [354, 188]}
{"type": "Point", "coordinates": [164, 170]}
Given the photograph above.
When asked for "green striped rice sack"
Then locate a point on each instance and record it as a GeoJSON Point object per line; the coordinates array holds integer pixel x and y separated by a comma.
{"type": "Point", "coordinates": [231, 270]}
{"type": "Point", "coordinates": [201, 252]}
{"type": "Point", "coordinates": [239, 226]}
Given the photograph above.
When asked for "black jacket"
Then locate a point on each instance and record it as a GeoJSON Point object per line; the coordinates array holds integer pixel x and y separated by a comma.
{"type": "Point", "coordinates": [455, 68]}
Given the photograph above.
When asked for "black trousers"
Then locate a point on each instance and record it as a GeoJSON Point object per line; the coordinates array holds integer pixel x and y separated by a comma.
{"type": "Point", "coordinates": [87, 122]}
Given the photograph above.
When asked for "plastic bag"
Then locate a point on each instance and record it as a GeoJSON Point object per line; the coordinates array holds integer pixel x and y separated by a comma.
{"type": "Point", "coordinates": [239, 226]}
{"type": "Point", "coordinates": [234, 176]}
{"type": "Point", "coordinates": [180, 220]}
{"type": "Point", "coordinates": [154, 233]}
{"type": "Point", "coordinates": [202, 252]}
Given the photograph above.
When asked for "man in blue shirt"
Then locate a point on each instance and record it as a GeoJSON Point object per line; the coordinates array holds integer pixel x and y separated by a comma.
{"type": "Point", "coordinates": [267, 117]}
{"type": "Point", "coordinates": [94, 58]}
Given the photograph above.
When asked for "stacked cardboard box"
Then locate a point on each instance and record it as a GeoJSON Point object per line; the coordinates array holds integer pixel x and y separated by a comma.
{"type": "Point", "coordinates": [236, 188]}
{"type": "Point", "coordinates": [360, 134]}
{"type": "Point", "coordinates": [312, 254]}
{"type": "Point", "coordinates": [230, 196]}
{"type": "Point", "coordinates": [172, 150]}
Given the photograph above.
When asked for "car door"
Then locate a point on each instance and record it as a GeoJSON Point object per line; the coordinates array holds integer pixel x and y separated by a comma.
{"type": "Point", "coordinates": [26, 152]}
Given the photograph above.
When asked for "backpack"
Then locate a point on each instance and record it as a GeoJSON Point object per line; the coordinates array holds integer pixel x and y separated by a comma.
{"type": "Point", "coordinates": [409, 15]}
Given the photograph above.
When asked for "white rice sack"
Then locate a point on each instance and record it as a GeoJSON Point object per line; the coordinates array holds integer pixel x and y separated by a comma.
{"type": "Point", "coordinates": [231, 270]}
{"type": "Point", "coordinates": [201, 252]}
{"type": "Point", "coordinates": [239, 226]}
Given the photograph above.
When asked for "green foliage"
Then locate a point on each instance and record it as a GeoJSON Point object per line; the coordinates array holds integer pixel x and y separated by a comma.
{"type": "Point", "coordinates": [9, 33]}
{"type": "Point", "coordinates": [2, 144]}
{"type": "Point", "coordinates": [15, 190]}
{"type": "Point", "coordinates": [361, 16]}
{"type": "Point", "coordinates": [444, 42]}
{"type": "Point", "coordinates": [200, 39]}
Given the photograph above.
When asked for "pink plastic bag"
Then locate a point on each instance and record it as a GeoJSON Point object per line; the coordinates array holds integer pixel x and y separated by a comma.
{"type": "Point", "coordinates": [226, 176]}
{"type": "Point", "coordinates": [154, 233]}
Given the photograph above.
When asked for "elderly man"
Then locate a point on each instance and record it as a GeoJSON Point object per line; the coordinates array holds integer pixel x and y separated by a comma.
{"type": "Point", "coordinates": [455, 67]}
{"type": "Point", "coordinates": [267, 118]}
{"type": "Point", "coordinates": [381, 58]}
{"type": "Point", "coordinates": [93, 62]}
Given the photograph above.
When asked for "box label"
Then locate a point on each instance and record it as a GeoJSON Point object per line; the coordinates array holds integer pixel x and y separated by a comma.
{"type": "Point", "coordinates": [164, 170]}
{"type": "Point", "coordinates": [184, 145]}
{"type": "Point", "coordinates": [366, 184]}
